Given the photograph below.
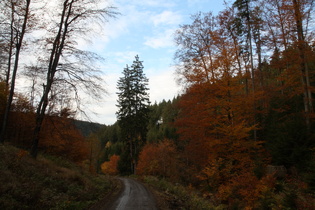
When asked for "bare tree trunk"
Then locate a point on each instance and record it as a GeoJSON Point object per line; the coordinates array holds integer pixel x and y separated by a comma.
{"type": "Point", "coordinates": [308, 104]}
{"type": "Point", "coordinates": [19, 42]}
{"type": "Point", "coordinates": [131, 157]}
{"type": "Point", "coordinates": [249, 28]}
{"type": "Point", "coordinates": [11, 46]}
{"type": "Point", "coordinates": [40, 114]}
{"type": "Point", "coordinates": [73, 13]}
{"type": "Point", "coordinates": [52, 68]}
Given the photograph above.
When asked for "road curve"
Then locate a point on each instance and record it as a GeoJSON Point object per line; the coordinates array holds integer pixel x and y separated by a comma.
{"type": "Point", "coordinates": [134, 197]}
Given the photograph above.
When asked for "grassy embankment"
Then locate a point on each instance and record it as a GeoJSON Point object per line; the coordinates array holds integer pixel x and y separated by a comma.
{"type": "Point", "coordinates": [285, 195]}
{"type": "Point", "coordinates": [175, 196]}
{"type": "Point", "coordinates": [47, 183]}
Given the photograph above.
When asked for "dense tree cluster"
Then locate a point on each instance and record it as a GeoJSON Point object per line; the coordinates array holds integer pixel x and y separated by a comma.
{"type": "Point", "coordinates": [249, 74]}
{"type": "Point", "coordinates": [160, 126]}
{"type": "Point", "coordinates": [243, 130]}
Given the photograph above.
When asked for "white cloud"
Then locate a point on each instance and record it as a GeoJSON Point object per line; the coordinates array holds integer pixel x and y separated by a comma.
{"type": "Point", "coordinates": [120, 26]}
{"type": "Point", "coordinates": [162, 40]}
{"type": "Point", "coordinates": [125, 57]}
{"type": "Point", "coordinates": [163, 85]}
{"type": "Point", "coordinates": [167, 17]}
{"type": "Point", "coordinates": [134, 17]}
{"type": "Point", "coordinates": [153, 3]}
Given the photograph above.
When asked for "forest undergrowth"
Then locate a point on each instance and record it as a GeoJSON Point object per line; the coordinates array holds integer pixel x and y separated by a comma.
{"type": "Point", "coordinates": [47, 183]}
{"type": "Point", "coordinates": [280, 194]}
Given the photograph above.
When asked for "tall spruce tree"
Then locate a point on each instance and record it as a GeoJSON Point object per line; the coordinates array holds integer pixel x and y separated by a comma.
{"type": "Point", "coordinates": [133, 103]}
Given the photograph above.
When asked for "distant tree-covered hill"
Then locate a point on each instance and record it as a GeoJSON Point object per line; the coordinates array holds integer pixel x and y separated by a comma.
{"type": "Point", "coordinates": [87, 128]}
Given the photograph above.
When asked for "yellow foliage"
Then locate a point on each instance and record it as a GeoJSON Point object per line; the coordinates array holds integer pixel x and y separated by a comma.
{"type": "Point", "coordinates": [108, 145]}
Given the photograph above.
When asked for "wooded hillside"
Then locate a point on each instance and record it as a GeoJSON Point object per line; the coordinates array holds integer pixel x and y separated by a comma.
{"type": "Point", "coordinates": [241, 133]}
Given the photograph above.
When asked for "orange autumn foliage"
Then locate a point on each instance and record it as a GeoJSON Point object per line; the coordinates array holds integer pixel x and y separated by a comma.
{"type": "Point", "coordinates": [110, 167]}
{"type": "Point", "coordinates": [214, 126]}
{"type": "Point", "coordinates": [21, 121]}
{"type": "Point", "coordinates": [158, 160]}
{"type": "Point", "coordinates": [59, 136]}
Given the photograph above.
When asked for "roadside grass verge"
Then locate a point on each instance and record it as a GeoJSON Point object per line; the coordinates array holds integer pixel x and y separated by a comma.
{"type": "Point", "coordinates": [46, 183]}
{"type": "Point", "coordinates": [177, 196]}
{"type": "Point", "coordinates": [286, 194]}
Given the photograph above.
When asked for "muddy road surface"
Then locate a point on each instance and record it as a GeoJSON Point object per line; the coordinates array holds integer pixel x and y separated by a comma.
{"type": "Point", "coordinates": [134, 196]}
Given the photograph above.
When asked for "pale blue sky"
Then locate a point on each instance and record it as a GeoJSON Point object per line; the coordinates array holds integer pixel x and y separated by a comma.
{"type": "Point", "coordinates": [145, 28]}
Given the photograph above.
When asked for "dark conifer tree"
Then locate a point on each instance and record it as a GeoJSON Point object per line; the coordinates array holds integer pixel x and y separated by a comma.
{"type": "Point", "coordinates": [133, 103]}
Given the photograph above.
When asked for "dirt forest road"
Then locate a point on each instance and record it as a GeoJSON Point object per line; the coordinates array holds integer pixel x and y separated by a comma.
{"type": "Point", "coordinates": [134, 196]}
